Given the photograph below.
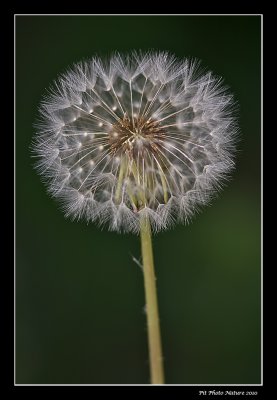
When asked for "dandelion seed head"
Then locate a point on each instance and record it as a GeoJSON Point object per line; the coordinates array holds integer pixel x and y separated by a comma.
{"type": "Point", "coordinates": [144, 134]}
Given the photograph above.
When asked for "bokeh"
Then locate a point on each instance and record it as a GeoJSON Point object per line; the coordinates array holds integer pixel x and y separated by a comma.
{"type": "Point", "coordinates": [79, 295]}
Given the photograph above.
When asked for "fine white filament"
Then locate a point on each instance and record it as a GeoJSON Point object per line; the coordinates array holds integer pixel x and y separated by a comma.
{"type": "Point", "coordinates": [136, 135]}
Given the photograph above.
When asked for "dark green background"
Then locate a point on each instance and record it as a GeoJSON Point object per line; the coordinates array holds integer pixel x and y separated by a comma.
{"type": "Point", "coordinates": [80, 299]}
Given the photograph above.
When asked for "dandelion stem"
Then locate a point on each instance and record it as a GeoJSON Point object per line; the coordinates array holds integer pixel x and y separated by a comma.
{"type": "Point", "coordinates": [153, 326]}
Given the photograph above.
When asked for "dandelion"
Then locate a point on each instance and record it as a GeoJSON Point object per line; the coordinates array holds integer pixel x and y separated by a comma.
{"type": "Point", "coordinates": [136, 143]}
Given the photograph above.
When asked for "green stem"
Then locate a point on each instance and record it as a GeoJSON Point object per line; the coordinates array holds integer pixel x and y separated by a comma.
{"type": "Point", "coordinates": [153, 326]}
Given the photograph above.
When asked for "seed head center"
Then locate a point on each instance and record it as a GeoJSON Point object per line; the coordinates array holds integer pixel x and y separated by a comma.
{"type": "Point", "coordinates": [135, 136]}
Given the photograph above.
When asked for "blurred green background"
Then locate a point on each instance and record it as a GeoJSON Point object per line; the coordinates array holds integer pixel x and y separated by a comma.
{"type": "Point", "coordinates": [79, 295]}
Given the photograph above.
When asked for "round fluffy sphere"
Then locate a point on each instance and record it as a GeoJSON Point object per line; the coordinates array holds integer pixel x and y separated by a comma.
{"type": "Point", "coordinates": [137, 135]}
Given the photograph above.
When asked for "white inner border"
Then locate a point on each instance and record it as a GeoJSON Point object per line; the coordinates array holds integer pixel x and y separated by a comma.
{"type": "Point", "coordinates": [205, 385]}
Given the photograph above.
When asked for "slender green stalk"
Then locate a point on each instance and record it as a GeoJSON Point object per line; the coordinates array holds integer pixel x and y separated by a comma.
{"type": "Point", "coordinates": [153, 326]}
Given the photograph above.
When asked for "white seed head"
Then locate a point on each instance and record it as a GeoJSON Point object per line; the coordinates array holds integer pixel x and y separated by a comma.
{"type": "Point", "coordinates": [139, 135]}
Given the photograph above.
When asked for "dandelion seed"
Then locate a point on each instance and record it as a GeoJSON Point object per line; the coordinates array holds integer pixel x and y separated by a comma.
{"type": "Point", "coordinates": [162, 125]}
